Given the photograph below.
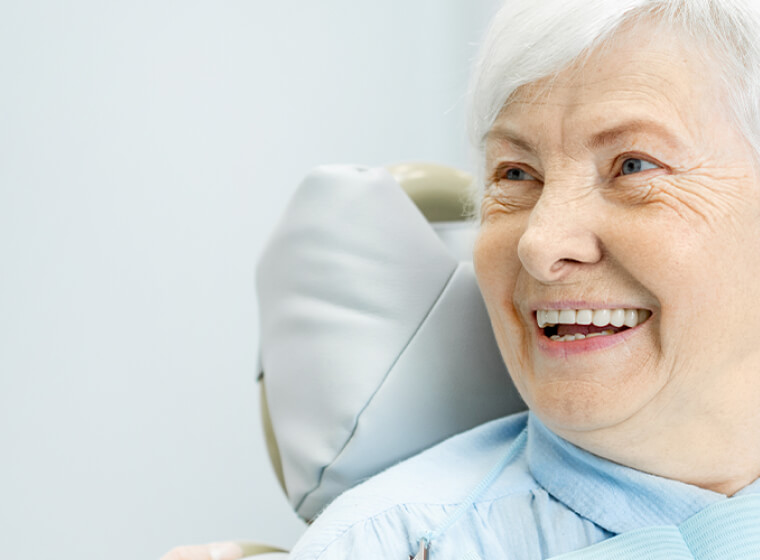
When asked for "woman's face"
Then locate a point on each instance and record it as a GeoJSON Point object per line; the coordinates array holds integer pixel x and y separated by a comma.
{"type": "Point", "coordinates": [624, 186]}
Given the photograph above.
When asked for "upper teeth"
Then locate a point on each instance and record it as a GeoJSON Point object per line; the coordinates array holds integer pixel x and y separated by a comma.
{"type": "Point", "coordinates": [597, 317]}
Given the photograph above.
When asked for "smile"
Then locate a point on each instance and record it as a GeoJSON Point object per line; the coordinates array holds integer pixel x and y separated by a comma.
{"type": "Point", "coordinates": [566, 325]}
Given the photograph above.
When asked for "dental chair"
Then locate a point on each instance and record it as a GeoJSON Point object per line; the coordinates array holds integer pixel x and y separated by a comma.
{"type": "Point", "coordinates": [375, 343]}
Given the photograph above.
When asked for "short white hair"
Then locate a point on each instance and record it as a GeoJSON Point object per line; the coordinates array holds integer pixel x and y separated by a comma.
{"type": "Point", "coordinates": [530, 40]}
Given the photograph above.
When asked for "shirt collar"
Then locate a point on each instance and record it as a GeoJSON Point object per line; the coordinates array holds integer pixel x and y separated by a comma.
{"type": "Point", "coordinates": [615, 497]}
{"type": "Point", "coordinates": [753, 488]}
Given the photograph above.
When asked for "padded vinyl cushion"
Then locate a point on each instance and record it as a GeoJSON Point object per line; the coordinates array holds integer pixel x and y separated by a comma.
{"type": "Point", "coordinates": [375, 343]}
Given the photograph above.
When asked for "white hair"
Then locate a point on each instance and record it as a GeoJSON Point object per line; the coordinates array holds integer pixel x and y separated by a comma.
{"type": "Point", "coordinates": [530, 40]}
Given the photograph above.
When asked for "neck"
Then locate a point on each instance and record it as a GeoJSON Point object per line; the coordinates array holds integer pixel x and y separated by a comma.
{"type": "Point", "coordinates": [718, 451]}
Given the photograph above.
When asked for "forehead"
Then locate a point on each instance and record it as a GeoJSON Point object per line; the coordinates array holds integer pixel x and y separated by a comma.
{"type": "Point", "coordinates": [642, 73]}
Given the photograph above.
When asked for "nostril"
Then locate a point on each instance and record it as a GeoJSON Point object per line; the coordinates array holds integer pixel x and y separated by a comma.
{"type": "Point", "coordinates": [539, 256]}
{"type": "Point", "coordinates": [551, 254]}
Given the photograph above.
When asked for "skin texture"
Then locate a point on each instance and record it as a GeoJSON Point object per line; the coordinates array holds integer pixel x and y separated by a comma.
{"type": "Point", "coordinates": [562, 226]}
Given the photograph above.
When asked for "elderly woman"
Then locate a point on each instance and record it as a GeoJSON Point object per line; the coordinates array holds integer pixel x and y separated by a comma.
{"type": "Point", "coordinates": [619, 259]}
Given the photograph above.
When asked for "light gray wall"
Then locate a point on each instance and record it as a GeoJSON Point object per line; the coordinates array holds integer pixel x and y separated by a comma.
{"type": "Point", "coordinates": [146, 150]}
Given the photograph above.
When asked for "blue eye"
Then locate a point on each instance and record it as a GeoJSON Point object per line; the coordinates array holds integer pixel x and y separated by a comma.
{"type": "Point", "coordinates": [635, 165]}
{"type": "Point", "coordinates": [517, 174]}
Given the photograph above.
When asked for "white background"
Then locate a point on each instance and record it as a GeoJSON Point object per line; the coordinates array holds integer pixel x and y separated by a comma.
{"type": "Point", "coordinates": [146, 150]}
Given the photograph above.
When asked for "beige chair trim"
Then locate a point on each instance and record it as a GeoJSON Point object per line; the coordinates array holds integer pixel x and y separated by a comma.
{"type": "Point", "coordinates": [269, 437]}
{"type": "Point", "coordinates": [252, 548]}
{"type": "Point", "coordinates": [441, 193]}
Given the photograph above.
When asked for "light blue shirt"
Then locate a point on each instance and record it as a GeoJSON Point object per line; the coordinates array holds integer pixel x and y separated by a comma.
{"type": "Point", "coordinates": [551, 498]}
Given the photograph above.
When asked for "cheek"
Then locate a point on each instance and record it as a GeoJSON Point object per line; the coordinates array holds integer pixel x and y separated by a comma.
{"type": "Point", "coordinates": [497, 268]}
{"type": "Point", "coordinates": [495, 247]}
{"type": "Point", "coordinates": [704, 295]}
{"type": "Point", "coordinates": [496, 265]}
{"type": "Point", "coordinates": [698, 274]}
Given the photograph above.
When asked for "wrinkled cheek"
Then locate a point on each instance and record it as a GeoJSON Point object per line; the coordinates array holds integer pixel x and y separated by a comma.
{"type": "Point", "coordinates": [508, 331]}
{"type": "Point", "coordinates": [514, 342]}
{"type": "Point", "coordinates": [497, 269]}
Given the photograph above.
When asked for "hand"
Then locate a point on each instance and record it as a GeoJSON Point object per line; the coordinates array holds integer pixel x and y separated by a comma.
{"type": "Point", "coordinates": [213, 551]}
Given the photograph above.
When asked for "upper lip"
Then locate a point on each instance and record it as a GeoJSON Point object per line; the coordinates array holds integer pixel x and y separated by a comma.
{"type": "Point", "coordinates": [583, 305]}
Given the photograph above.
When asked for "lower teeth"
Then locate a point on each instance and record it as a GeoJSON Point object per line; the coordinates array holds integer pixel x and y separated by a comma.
{"type": "Point", "coordinates": [571, 337]}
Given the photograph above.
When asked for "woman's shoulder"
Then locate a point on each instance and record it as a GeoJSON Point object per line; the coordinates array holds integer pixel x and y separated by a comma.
{"type": "Point", "coordinates": [448, 471]}
{"type": "Point", "coordinates": [393, 509]}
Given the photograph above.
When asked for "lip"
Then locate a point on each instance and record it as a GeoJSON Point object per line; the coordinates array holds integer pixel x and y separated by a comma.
{"type": "Point", "coordinates": [557, 349]}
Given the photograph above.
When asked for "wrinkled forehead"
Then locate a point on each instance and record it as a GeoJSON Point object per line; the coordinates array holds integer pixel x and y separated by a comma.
{"type": "Point", "coordinates": [629, 49]}
{"type": "Point", "coordinates": [643, 71]}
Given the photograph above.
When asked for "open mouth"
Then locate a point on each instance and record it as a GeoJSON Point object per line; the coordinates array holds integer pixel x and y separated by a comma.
{"type": "Point", "coordinates": [566, 325]}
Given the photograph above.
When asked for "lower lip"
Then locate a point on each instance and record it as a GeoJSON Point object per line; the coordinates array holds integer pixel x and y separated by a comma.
{"type": "Point", "coordinates": [557, 349]}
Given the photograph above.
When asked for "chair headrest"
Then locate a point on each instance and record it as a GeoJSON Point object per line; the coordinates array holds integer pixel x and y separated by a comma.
{"type": "Point", "coordinates": [375, 342]}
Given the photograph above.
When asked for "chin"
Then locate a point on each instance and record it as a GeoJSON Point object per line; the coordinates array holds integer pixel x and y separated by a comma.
{"type": "Point", "coordinates": [581, 407]}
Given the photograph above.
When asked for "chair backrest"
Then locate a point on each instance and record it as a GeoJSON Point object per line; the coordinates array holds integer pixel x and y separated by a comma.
{"type": "Point", "coordinates": [375, 342]}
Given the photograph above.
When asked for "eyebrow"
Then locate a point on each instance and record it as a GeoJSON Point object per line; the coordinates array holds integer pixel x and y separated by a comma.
{"type": "Point", "coordinates": [599, 140]}
{"type": "Point", "coordinates": [502, 134]}
{"type": "Point", "coordinates": [635, 126]}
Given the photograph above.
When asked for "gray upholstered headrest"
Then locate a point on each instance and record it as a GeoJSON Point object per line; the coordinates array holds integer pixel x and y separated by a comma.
{"type": "Point", "coordinates": [375, 343]}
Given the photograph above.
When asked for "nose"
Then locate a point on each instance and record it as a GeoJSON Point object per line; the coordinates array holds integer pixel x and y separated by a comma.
{"type": "Point", "coordinates": [559, 237]}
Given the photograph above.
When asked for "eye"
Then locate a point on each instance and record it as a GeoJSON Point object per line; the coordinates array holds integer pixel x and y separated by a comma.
{"type": "Point", "coordinates": [636, 165]}
{"type": "Point", "coordinates": [517, 174]}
